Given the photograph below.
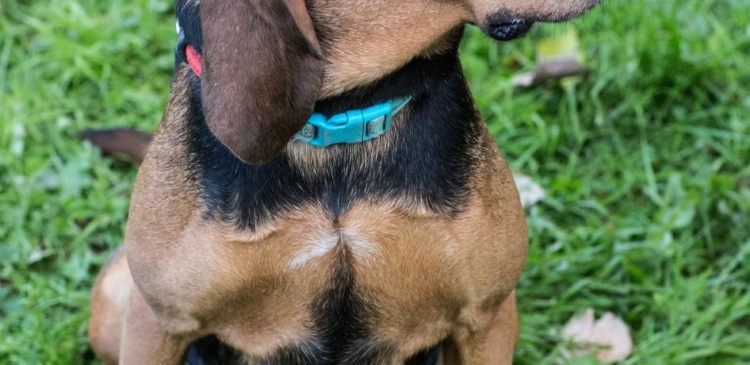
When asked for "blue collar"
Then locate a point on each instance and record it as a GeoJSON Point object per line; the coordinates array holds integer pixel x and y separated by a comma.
{"type": "Point", "coordinates": [352, 126]}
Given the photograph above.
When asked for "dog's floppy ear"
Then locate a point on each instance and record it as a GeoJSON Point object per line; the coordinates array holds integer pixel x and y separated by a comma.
{"type": "Point", "coordinates": [262, 68]}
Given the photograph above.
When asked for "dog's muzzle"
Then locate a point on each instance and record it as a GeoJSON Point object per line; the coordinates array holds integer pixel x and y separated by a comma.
{"type": "Point", "coordinates": [508, 29]}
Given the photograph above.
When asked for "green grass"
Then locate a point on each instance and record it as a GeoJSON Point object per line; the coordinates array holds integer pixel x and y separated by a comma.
{"type": "Point", "coordinates": [645, 162]}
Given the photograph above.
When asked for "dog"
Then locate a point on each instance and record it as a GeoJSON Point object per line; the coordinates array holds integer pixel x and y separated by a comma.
{"type": "Point", "coordinates": [322, 190]}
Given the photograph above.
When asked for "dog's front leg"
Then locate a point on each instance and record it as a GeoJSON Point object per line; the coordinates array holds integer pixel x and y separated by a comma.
{"type": "Point", "coordinates": [145, 341]}
{"type": "Point", "coordinates": [503, 336]}
{"type": "Point", "coordinates": [491, 346]}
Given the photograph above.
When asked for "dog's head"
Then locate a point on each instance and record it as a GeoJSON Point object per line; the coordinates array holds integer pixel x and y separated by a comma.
{"type": "Point", "coordinates": [266, 62]}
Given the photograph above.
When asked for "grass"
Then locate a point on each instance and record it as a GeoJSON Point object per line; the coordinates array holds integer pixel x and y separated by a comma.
{"type": "Point", "coordinates": [645, 162]}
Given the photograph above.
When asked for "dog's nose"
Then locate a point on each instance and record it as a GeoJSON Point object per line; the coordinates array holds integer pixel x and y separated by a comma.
{"type": "Point", "coordinates": [505, 30]}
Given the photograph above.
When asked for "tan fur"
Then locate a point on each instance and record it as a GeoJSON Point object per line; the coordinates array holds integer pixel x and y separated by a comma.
{"type": "Point", "coordinates": [366, 47]}
{"type": "Point", "coordinates": [109, 301]}
{"type": "Point", "coordinates": [543, 10]}
{"type": "Point", "coordinates": [432, 278]}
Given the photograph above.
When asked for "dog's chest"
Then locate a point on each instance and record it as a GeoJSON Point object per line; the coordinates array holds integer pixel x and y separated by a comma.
{"type": "Point", "coordinates": [377, 276]}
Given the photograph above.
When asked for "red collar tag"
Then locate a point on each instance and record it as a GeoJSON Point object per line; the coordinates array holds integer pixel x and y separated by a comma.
{"type": "Point", "coordinates": [194, 59]}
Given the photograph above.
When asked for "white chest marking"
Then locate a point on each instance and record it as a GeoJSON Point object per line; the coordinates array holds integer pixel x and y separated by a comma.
{"type": "Point", "coordinates": [315, 249]}
{"type": "Point", "coordinates": [363, 250]}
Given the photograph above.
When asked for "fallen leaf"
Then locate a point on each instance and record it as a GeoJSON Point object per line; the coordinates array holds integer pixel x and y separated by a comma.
{"type": "Point", "coordinates": [557, 57]}
{"type": "Point", "coordinates": [609, 337]}
{"type": "Point", "coordinates": [551, 69]}
{"type": "Point", "coordinates": [530, 192]}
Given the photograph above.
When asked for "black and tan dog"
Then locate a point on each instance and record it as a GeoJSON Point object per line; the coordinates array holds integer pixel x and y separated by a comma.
{"type": "Point", "coordinates": [246, 244]}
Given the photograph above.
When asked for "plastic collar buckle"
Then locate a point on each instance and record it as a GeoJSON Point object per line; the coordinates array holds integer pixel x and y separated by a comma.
{"type": "Point", "coordinates": [353, 126]}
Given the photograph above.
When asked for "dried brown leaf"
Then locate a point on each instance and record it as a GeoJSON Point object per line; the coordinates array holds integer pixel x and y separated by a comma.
{"type": "Point", "coordinates": [609, 337]}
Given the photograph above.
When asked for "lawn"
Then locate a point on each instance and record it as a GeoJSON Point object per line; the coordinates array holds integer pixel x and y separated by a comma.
{"type": "Point", "coordinates": [645, 163]}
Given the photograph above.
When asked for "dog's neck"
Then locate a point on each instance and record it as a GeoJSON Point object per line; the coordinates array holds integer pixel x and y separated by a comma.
{"type": "Point", "coordinates": [423, 162]}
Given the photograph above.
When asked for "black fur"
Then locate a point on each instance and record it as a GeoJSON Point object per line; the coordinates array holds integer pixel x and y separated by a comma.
{"type": "Point", "coordinates": [342, 319]}
{"type": "Point", "coordinates": [426, 357]}
{"type": "Point", "coordinates": [429, 161]}
{"type": "Point", "coordinates": [210, 351]}
{"type": "Point", "coordinates": [188, 16]}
